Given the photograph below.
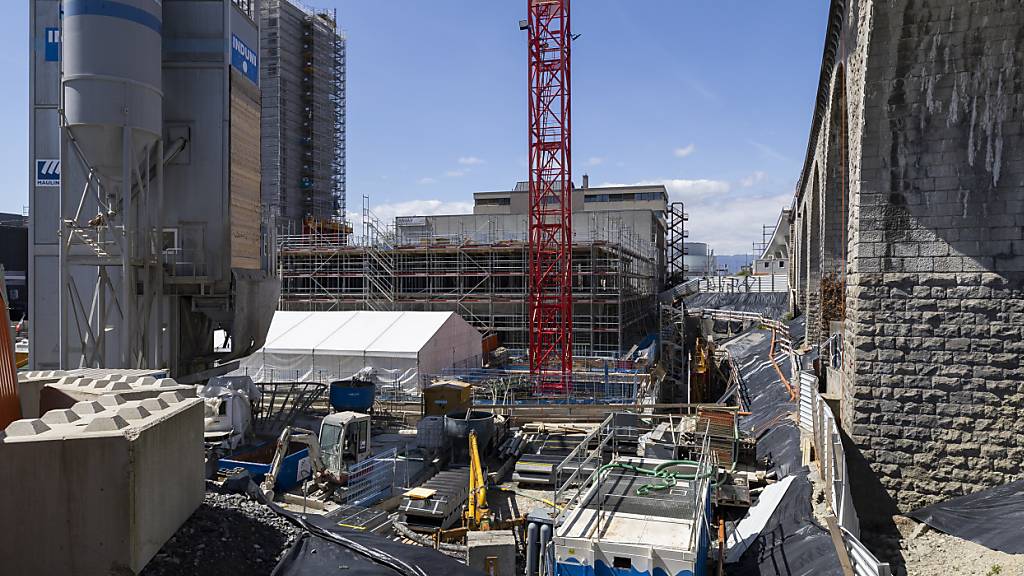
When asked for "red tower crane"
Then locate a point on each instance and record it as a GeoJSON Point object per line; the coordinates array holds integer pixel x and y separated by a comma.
{"type": "Point", "coordinates": [550, 296]}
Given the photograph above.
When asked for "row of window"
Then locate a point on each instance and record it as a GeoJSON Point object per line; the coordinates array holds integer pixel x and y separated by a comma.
{"type": "Point", "coordinates": [494, 202]}
{"type": "Point", "coordinates": [624, 197]}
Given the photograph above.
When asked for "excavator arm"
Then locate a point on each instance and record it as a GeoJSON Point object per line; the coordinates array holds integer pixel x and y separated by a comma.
{"type": "Point", "coordinates": [477, 515]}
{"type": "Point", "coordinates": [289, 435]}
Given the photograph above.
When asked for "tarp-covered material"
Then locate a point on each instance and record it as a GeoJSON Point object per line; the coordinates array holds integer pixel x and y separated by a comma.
{"type": "Point", "coordinates": [314, 556]}
{"type": "Point", "coordinates": [993, 518]}
{"type": "Point", "coordinates": [791, 543]}
{"type": "Point", "coordinates": [394, 348]}
{"type": "Point", "coordinates": [771, 304]}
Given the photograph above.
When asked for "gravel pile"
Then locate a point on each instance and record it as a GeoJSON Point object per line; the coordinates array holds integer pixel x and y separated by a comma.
{"type": "Point", "coordinates": [228, 534]}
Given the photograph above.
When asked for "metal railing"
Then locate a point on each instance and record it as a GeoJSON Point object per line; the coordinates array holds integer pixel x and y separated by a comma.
{"type": "Point", "coordinates": [371, 480]}
{"type": "Point", "coordinates": [816, 417]}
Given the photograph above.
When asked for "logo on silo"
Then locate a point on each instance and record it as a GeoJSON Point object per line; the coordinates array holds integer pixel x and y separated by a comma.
{"type": "Point", "coordinates": [245, 59]}
{"type": "Point", "coordinates": [52, 44]}
{"type": "Point", "coordinates": [47, 172]}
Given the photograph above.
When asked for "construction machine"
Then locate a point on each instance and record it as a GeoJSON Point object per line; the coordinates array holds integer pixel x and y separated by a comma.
{"type": "Point", "coordinates": [344, 440]}
{"type": "Point", "coordinates": [477, 516]}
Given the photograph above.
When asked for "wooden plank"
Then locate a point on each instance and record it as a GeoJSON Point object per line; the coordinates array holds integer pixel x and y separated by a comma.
{"type": "Point", "coordinates": [246, 209]}
{"type": "Point", "coordinates": [420, 493]}
{"type": "Point", "coordinates": [837, 541]}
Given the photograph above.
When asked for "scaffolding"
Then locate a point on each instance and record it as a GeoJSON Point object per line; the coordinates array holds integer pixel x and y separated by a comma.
{"type": "Point", "coordinates": [481, 276]}
{"type": "Point", "coordinates": [303, 93]}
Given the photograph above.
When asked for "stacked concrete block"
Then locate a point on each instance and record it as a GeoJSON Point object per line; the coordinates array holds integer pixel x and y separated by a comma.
{"type": "Point", "coordinates": [930, 100]}
{"type": "Point", "coordinates": [99, 487]}
{"type": "Point", "coordinates": [70, 389]}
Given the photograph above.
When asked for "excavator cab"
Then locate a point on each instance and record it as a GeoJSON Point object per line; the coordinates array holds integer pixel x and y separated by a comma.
{"type": "Point", "coordinates": [344, 439]}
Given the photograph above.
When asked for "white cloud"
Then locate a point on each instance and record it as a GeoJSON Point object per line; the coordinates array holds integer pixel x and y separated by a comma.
{"type": "Point", "coordinates": [727, 220]}
{"type": "Point", "coordinates": [729, 224]}
{"type": "Point", "coordinates": [426, 180]}
{"type": "Point", "coordinates": [470, 161]}
{"type": "Point", "coordinates": [595, 161]}
{"type": "Point", "coordinates": [754, 178]}
{"type": "Point", "coordinates": [455, 173]}
{"type": "Point", "coordinates": [681, 190]}
{"type": "Point", "coordinates": [386, 213]}
{"type": "Point", "coordinates": [685, 150]}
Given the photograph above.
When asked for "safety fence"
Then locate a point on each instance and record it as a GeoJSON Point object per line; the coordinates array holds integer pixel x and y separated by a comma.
{"type": "Point", "coordinates": [816, 418]}
{"type": "Point", "coordinates": [740, 284]}
{"type": "Point", "coordinates": [371, 480]}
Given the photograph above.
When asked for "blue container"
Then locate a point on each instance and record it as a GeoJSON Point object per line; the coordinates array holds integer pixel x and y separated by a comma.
{"type": "Point", "coordinates": [352, 395]}
{"type": "Point", "coordinates": [295, 469]}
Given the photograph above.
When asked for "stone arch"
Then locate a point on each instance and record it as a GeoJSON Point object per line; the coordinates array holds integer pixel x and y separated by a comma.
{"type": "Point", "coordinates": [835, 234]}
{"type": "Point", "coordinates": [813, 254]}
{"type": "Point", "coordinates": [836, 201]}
{"type": "Point", "coordinates": [799, 265]}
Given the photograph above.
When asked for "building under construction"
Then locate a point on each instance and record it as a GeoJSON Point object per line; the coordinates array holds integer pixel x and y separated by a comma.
{"type": "Point", "coordinates": [303, 124]}
{"type": "Point", "coordinates": [478, 264]}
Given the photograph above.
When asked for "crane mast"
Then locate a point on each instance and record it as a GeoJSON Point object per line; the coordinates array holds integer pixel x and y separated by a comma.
{"type": "Point", "coordinates": [550, 199]}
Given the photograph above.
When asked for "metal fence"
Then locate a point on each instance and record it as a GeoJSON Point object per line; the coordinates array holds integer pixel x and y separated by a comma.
{"type": "Point", "coordinates": [371, 480]}
{"type": "Point", "coordinates": [733, 284]}
{"type": "Point", "coordinates": [816, 417]}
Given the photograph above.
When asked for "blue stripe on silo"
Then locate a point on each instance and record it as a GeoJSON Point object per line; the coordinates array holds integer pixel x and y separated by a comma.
{"type": "Point", "coordinates": [112, 10]}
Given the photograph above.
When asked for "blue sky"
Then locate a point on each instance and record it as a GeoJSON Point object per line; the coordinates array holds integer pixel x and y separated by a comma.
{"type": "Point", "coordinates": [711, 97]}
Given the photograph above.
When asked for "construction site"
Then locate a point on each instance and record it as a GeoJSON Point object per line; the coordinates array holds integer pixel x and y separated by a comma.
{"type": "Point", "coordinates": [220, 368]}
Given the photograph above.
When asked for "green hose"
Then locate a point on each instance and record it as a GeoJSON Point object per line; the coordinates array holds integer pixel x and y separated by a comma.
{"type": "Point", "coordinates": [665, 479]}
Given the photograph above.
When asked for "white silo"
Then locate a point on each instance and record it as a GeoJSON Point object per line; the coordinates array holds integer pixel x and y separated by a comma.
{"type": "Point", "coordinates": [111, 79]}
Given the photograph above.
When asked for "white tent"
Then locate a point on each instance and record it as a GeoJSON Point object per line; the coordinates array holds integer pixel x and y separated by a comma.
{"type": "Point", "coordinates": [395, 347]}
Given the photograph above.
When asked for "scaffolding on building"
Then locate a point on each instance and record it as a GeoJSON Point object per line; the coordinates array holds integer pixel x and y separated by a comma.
{"type": "Point", "coordinates": [482, 276]}
{"type": "Point", "coordinates": [303, 92]}
{"type": "Point", "coordinates": [676, 244]}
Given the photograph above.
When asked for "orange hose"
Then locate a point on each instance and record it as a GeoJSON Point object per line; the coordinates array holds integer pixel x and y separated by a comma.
{"type": "Point", "coordinates": [771, 358]}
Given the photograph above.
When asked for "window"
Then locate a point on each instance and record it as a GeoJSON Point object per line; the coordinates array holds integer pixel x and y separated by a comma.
{"type": "Point", "coordinates": [767, 264]}
{"type": "Point", "coordinates": [622, 563]}
{"type": "Point", "coordinates": [782, 263]}
{"type": "Point", "coordinates": [170, 239]}
{"type": "Point", "coordinates": [494, 202]}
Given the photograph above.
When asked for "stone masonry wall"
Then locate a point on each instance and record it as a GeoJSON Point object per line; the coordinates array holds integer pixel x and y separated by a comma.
{"type": "Point", "coordinates": [935, 294]}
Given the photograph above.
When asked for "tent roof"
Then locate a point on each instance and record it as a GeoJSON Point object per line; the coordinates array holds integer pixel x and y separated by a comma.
{"type": "Point", "coordinates": [370, 332]}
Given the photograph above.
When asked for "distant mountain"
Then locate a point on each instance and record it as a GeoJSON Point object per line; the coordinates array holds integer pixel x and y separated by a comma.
{"type": "Point", "coordinates": [733, 262]}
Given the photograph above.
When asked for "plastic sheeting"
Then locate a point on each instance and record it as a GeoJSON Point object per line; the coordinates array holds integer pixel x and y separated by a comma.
{"type": "Point", "coordinates": [396, 347]}
{"type": "Point", "coordinates": [993, 518]}
{"type": "Point", "coordinates": [327, 548]}
{"type": "Point", "coordinates": [771, 304]}
{"type": "Point", "coordinates": [791, 543]}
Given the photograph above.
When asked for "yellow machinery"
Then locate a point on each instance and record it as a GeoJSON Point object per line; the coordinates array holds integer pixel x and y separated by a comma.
{"type": "Point", "coordinates": [477, 515]}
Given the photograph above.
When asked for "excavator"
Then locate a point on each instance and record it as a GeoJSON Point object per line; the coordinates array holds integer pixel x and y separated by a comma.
{"type": "Point", "coordinates": [344, 440]}
{"type": "Point", "coordinates": [477, 516]}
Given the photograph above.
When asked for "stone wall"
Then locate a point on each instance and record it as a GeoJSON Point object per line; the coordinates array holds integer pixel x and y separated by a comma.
{"type": "Point", "coordinates": [934, 109]}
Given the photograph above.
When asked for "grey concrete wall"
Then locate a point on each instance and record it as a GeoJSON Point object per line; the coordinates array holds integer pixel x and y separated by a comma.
{"type": "Point", "coordinates": [85, 499]}
{"type": "Point", "coordinates": [934, 96]}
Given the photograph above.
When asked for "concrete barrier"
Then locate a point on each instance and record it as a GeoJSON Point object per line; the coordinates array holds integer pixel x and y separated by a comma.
{"type": "Point", "coordinates": [99, 487]}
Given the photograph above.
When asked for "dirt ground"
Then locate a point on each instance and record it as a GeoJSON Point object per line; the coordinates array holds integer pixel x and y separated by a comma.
{"type": "Point", "coordinates": [927, 552]}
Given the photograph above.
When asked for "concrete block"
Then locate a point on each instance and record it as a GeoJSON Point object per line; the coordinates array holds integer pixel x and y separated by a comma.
{"type": "Point", "coordinates": [492, 552]}
{"type": "Point", "coordinates": [99, 487]}
{"type": "Point", "coordinates": [115, 386]}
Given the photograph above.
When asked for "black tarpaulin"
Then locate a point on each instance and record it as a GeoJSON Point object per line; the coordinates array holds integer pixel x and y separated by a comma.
{"type": "Point", "coordinates": [314, 556]}
{"type": "Point", "coordinates": [325, 548]}
{"type": "Point", "coordinates": [791, 544]}
{"type": "Point", "coordinates": [993, 518]}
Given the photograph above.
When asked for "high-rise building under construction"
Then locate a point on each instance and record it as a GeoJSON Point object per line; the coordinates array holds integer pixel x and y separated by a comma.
{"type": "Point", "coordinates": [303, 91]}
